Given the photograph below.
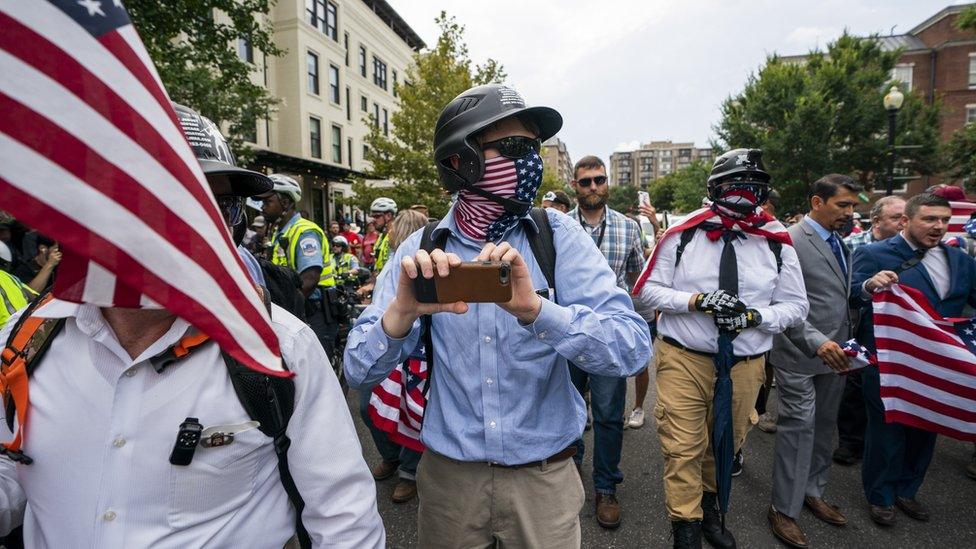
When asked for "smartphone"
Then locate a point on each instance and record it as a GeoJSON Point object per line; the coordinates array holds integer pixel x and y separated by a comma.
{"type": "Point", "coordinates": [643, 198]}
{"type": "Point", "coordinates": [470, 282]}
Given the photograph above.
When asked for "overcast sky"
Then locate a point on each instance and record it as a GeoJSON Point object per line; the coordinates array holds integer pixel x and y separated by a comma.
{"type": "Point", "coordinates": [623, 72]}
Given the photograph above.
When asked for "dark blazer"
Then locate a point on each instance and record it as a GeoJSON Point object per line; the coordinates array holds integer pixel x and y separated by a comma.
{"type": "Point", "coordinates": [888, 255]}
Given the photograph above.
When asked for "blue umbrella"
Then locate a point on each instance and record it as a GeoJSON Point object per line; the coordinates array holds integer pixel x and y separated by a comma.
{"type": "Point", "coordinates": [722, 435]}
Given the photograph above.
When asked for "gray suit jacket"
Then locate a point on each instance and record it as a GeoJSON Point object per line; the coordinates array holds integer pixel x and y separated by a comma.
{"type": "Point", "coordinates": [829, 317]}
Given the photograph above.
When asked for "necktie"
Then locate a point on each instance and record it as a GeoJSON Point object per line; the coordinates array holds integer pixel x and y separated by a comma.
{"type": "Point", "coordinates": [728, 267]}
{"type": "Point", "coordinates": [838, 253]}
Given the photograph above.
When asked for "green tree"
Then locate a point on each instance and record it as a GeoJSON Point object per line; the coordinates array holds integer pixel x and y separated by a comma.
{"type": "Point", "coordinates": [623, 198]}
{"type": "Point", "coordinates": [826, 115]}
{"type": "Point", "coordinates": [550, 182]}
{"type": "Point", "coordinates": [193, 44]}
{"type": "Point", "coordinates": [967, 19]}
{"type": "Point", "coordinates": [960, 155]}
{"type": "Point", "coordinates": [680, 191]}
{"type": "Point", "coordinates": [406, 156]}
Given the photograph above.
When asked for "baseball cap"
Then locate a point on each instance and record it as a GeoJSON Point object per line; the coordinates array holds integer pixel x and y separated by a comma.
{"type": "Point", "coordinates": [558, 197]}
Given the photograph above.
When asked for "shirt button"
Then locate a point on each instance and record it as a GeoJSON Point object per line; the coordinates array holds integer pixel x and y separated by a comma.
{"type": "Point", "coordinates": [109, 515]}
{"type": "Point", "coordinates": [542, 335]}
{"type": "Point", "coordinates": [130, 372]}
{"type": "Point", "coordinates": [489, 381]}
{"type": "Point", "coordinates": [487, 339]}
{"type": "Point", "coordinates": [119, 442]}
{"type": "Point", "coordinates": [581, 358]}
{"type": "Point", "coordinates": [381, 346]}
{"type": "Point", "coordinates": [491, 424]}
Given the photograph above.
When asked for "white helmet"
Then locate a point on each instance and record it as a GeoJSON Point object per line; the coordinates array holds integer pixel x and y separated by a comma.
{"type": "Point", "coordinates": [287, 186]}
{"type": "Point", "coordinates": [383, 204]}
{"type": "Point", "coordinates": [5, 254]}
{"type": "Point", "coordinates": [340, 241]}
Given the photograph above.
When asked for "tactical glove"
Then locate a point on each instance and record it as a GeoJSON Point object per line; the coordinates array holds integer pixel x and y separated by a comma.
{"type": "Point", "coordinates": [738, 322]}
{"type": "Point", "coordinates": [719, 302]}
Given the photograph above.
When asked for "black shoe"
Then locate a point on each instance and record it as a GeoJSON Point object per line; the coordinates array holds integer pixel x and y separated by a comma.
{"type": "Point", "coordinates": [737, 464]}
{"type": "Point", "coordinates": [711, 525]}
{"type": "Point", "coordinates": [687, 534]}
{"type": "Point", "coordinates": [846, 456]}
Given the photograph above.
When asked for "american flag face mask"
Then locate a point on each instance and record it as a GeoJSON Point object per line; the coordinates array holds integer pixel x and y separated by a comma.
{"type": "Point", "coordinates": [485, 220]}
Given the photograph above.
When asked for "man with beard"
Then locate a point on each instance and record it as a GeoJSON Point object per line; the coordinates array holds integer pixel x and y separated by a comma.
{"type": "Point", "coordinates": [896, 456]}
{"type": "Point", "coordinates": [725, 280]}
{"type": "Point", "coordinates": [808, 358]}
{"type": "Point", "coordinates": [502, 417]}
{"type": "Point", "coordinates": [618, 239]}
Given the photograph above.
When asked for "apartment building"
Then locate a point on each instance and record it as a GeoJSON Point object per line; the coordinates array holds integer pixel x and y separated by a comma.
{"type": "Point", "coordinates": [555, 156]}
{"type": "Point", "coordinates": [653, 160]}
{"type": "Point", "coordinates": [343, 63]}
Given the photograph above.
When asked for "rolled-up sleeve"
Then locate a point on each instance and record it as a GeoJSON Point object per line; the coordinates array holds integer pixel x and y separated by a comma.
{"type": "Point", "coordinates": [788, 305]}
{"type": "Point", "coordinates": [593, 324]}
{"type": "Point", "coordinates": [370, 353]}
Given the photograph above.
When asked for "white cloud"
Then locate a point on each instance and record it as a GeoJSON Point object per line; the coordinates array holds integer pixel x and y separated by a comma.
{"type": "Point", "coordinates": [627, 146]}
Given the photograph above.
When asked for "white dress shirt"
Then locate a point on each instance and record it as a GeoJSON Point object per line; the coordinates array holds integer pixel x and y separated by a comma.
{"type": "Point", "coordinates": [102, 426]}
{"type": "Point", "coordinates": [937, 265]}
{"type": "Point", "coordinates": [780, 299]}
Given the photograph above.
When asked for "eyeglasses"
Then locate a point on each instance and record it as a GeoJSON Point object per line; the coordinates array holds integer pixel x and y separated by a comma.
{"type": "Point", "coordinates": [516, 146]}
{"type": "Point", "coordinates": [598, 180]}
{"type": "Point", "coordinates": [232, 208]}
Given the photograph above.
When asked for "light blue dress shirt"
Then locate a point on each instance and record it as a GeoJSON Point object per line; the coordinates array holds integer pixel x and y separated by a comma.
{"type": "Point", "coordinates": [501, 391]}
{"type": "Point", "coordinates": [825, 234]}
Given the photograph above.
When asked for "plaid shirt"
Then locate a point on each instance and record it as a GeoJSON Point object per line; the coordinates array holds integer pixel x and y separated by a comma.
{"type": "Point", "coordinates": [855, 241]}
{"type": "Point", "coordinates": [621, 243]}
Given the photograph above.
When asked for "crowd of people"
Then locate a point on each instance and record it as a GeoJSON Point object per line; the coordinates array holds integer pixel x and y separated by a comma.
{"type": "Point", "coordinates": [478, 408]}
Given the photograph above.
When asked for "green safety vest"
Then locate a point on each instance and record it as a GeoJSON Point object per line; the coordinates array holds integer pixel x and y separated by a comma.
{"type": "Point", "coordinates": [382, 251]}
{"type": "Point", "coordinates": [14, 295]}
{"type": "Point", "coordinates": [287, 257]}
{"type": "Point", "coordinates": [344, 264]}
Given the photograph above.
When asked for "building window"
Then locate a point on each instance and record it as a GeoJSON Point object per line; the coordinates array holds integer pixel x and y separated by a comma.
{"type": "Point", "coordinates": [970, 114]}
{"type": "Point", "coordinates": [972, 70]}
{"type": "Point", "coordinates": [321, 14]}
{"type": "Point", "coordinates": [394, 83]}
{"type": "Point", "coordinates": [334, 84]}
{"type": "Point", "coordinates": [312, 62]}
{"type": "Point", "coordinates": [386, 122]}
{"type": "Point", "coordinates": [348, 105]}
{"type": "Point", "coordinates": [244, 50]}
{"type": "Point", "coordinates": [365, 151]}
{"type": "Point", "coordinates": [376, 115]}
{"type": "Point", "coordinates": [345, 43]}
{"type": "Point", "coordinates": [336, 144]}
{"type": "Point", "coordinates": [379, 72]}
{"type": "Point", "coordinates": [251, 136]}
{"type": "Point", "coordinates": [315, 137]}
{"type": "Point", "coordinates": [362, 61]}
{"type": "Point", "coordinates": [902, 74]}
{"type": "Point", "coordinates": [363, 103]}
{"type": "Point", "coordinates": [349, 151]}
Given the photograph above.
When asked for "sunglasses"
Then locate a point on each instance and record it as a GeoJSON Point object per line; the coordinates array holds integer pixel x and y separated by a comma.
{"type": "Point", "coordinates": [598, 180]}
{"type": "Point", "coordinates": [516, 146]}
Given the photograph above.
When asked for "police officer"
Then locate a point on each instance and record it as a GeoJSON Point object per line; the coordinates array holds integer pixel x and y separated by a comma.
{"type": "Point", "coordinates": [346, 263]}
{"type": "Point", "coordinates": [726, 276]}
{"type": "Point", "coordinates": [382, 210]}
{"type": "Point", "coordinates": [14, 294]}
{"type": "Point", "coordinates": [301, 245]}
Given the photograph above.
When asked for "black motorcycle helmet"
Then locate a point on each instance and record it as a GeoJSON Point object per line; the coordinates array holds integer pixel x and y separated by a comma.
{"type": "Point", "coordinates": [467, 115]}
{"type": "Point", "coordinates": [738, 166]}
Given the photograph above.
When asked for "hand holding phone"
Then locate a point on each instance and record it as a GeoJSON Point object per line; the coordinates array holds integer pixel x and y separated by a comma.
{"type": "Point", "coordinates": [469, 282]}
{"type": "Point", "coordinates": [643, 199]}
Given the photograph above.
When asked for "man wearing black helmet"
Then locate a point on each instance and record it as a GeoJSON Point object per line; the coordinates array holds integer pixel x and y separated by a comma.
{"type": "Point", "coordinates": [725, 281]}
{"type": "Point", "coordinates": [503, 414]}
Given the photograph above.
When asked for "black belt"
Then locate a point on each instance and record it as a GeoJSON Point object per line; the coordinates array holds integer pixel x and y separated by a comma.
{"type": "Point", "coordinates": [674, 343]}
{"type": "Point", "coordinates": [555, 458]}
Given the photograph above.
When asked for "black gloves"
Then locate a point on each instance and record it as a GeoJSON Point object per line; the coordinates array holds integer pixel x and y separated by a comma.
{"type": "Point", "coordinates": [719, 302]}
{"type": "Point", "coordinates": [738, 322]}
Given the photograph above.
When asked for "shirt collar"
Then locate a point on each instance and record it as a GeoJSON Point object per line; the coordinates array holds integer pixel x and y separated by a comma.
{"type": "Point", "coordinates": [575, 214]}
{"type": "Point", "coordinates": [294, 219]}
{"type": "Point", "coordinates": [824, 233]}
{"type": "Point", "coordinates": [447, 223]}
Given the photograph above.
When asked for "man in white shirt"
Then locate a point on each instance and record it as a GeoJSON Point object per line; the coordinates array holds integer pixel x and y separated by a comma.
{"type": "Point", "coordinates": [105, 413]}
{"type": "Point", "coordinates": [740, 274]}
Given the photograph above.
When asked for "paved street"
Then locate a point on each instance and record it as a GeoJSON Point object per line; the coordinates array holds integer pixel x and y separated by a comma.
{"type": "Point", "coordinates": [949, 493]}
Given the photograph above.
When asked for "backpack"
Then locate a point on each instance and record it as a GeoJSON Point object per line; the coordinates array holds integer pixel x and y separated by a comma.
{"type": "Point", "coordinates": [267, 399]}
{"type": "Point", "coordinates": [284, 285]}
{"type": "Point", "coordinates": [687, 234]}
{"type": "Point", "coordinates": [543, 248]}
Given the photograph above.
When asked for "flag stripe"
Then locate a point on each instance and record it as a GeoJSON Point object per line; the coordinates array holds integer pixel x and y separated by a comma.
{"type": "Point", "coordinates": [913, 416]}
{"type": "Point", "coordinates": [896, 363]}
{"type": "Point", "coordinates": [915, 353]}
{"type": "Point", "coordinates": [926, 397]}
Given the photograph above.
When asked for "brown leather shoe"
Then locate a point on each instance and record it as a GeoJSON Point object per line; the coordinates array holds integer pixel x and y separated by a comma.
{"type": "Point", "coordinates": [885, 516]}
{"type": "Point", "coordinates": [385, 470]}
{"type": "Point", "coordinates": [913, 509]}
{"type": "Point", "coordinates": [824, 511]}
{"type": "Point", "coordinates": [607, 511]}
{"type": "Point", "coordinates": [404, 491]}
{"type": "Point", "coordinates": [786, 529]}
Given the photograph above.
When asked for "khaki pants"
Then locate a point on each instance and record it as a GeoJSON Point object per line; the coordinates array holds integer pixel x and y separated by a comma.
{"type": "Point", "coordinates": [472, 505]}
{"type": "Point", "coordinates": [685, 385]}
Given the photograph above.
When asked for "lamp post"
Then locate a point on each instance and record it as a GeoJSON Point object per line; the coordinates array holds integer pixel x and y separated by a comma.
{"type": "Point", "coordinates": [892, 103]}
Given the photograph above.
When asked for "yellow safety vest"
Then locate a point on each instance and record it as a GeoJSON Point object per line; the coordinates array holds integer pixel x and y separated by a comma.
{"type": "Point", "coordinates": [287, 257]}
{"type": "Point", "coordinates": [344, 264]}
{"type": "Point", "coordinates": [14, 295]}
{"type": "Point", "coordinates": [382, 251]}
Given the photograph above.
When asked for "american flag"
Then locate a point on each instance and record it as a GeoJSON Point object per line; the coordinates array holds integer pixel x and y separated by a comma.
{"type": "Point", "coordinates": [502, 177]}
{"type": "Point", "coordinates": [91, 154]}
{"type": "Point", "coordinates": [396, 405]}
{"type": "Point", "coordinates": [960, 215]}
{"type": "Point", "coordinates": [927, 364]}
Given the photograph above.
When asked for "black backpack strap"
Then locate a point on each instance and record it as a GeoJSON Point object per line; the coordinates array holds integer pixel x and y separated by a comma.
{"type": "Point", "coordinates": [776, 247]}
{"type": "Point", "coordinates": [543, 247]}
{"type": "Point", "coordinates": [686, 236]}
{"type": "Point", "coordinates": [271, 401]}
{"type": "Point", "coordinates": [428, 244]}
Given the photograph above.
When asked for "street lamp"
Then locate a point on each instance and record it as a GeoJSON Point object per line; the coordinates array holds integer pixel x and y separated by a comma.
{"type": "Point", "coordinates": [892, 103]}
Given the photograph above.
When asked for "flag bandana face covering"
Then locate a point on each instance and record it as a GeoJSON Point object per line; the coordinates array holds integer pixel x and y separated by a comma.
{"type": "Point", "coordinates": [518, 179]}
{"type": "Point", "coordinates": [739, 199]}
